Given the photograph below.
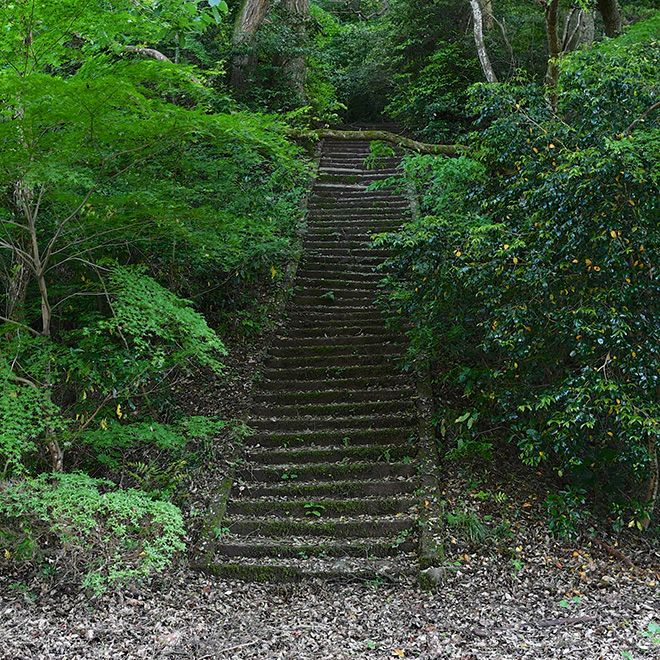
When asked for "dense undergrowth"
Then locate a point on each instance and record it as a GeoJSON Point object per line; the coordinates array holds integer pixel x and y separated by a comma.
{"type": "Point", "coordinates": [529, 279]}
{"type": "Point", "coordinates": [135, 215]}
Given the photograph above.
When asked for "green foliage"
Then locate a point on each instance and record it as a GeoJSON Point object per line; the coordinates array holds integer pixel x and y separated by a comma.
{"type": "Point", "coordinates": [534, 285]}
{"type": "Point", "coordinates": [154, 318]}
{"type": "Point", "coordinates": [81, 529]}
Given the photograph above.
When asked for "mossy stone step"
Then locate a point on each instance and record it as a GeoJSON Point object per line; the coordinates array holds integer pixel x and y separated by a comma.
{"type": "Point", "coordinates": [345, 331]}
{"type": "Point", "coordinates": [384, 436]}
{"type": "Point", "coordinates": [321, 509]}
{"type": "Point", "coordinates": [310, 343]}
{"type": "Point", "coordinates": [339, 471]}
{"type": "Point", "coordinates": [340, 360]}
{"type": "Point", "coordinates": [336, 299]}
{"type": "Point", "coordinates": [336, 348]}
{"type": "Point", "coordinates": [306, 274]}
{"type": "Point", "coordinates": [268, 547]}
{"type": "Point", "coordinates": [337, 395]}
{"type": "Point", "coordinates": [357, 408]}
{"type": "Point", "coordinates": [315, 489]}
{"type": "Point", "coordinates": [309, 455]}
{"type": "Point", "coordinates": [365, 527]}
{"type": "Point", "coordinates": [288, 573]}
{"type": "Point", "coordinates": [346, 424]}
{"type": "Point", "coordinates": [328, 373]}
{"type": "Point", "coordinates": [347, 385]}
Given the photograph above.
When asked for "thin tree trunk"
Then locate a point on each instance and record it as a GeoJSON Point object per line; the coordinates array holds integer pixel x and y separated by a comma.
{"type": "Point", "coordinates": [249, 20]}
{"type": "Point", "coordinates": [486, 66]}
{"type": "Point", "coordinates": [654, 482]}
{"type": "Point", "coordinates": [609, 10]}
{"type": "Point", "coordinates": [296, 67]}
{"type": "Point", "coordinates": [554, 52]}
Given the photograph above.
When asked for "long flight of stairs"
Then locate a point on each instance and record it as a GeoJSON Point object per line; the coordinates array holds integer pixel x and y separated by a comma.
{"type": "Point", "coordinates": [328, 486]}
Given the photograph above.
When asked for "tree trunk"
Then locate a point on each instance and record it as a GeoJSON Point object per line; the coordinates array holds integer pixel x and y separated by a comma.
{"type": "Point", "coordinates": [609, 10]}
{"type": "Point", "coordinates": [579, 30]}
{"type": "Point", "coordinates": [249, 20]}
{"type": "Point", "coordinates": [295, 67]}
{"type": "Point", "coordinates": [554, 52]}
{"type": "Point", "coordinates": [486, 66]}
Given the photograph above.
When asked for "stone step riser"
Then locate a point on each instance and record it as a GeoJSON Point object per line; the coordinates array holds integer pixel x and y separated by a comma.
{"type": "Point", "coordinates": [325, 508]}
{"type": "Point", "coordinates": [332, 396]}
{"type": "Point", "coordinates": [345, 424]}
{"type": "Point", "coordinates": [308, 456]}
{"type": "Point", "coordinates": [329, 489]}
{"type": "Point", "coordinates": [343, 472]}
{"type": "Point", "coordinates": [353, 529]}
{"type": "Point", "coordinates": [335, 361]}
{"type": "Point", "coordinates": [357, 409]}
{"type": "Point", "coordinates": [365, 549]}
{"type": "Point", "coordinates": [336, 348]}
{"type": "Point", "coordinates": [333, 438]}
{"type": "Point", "coordinates": [308, 378]}
{"type": "Point", "coordinates": [359, 339]}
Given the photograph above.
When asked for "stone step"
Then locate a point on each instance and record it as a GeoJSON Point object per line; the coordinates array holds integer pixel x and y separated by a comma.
{"type": "Point", "coordinates": [328, 374]}
{"type": "Point", "coordinates": [346, 385]}
{"type": "Point", "coordinates": [363, 527]}
{"type": "Point", "coordinates": [330, 361]}
{"type": "Point", "coordinates": [344, 424]}
{"type": "Point", "coordinates": [336, 299]}
{"type": "Point", "coordinates": [321, 508]}
{"type": "Point", "coordinates": [350, 278]}
{"type": "Point", "coordinates": [314, 489]}
{"type": "Point", "coordinates": [336, 347]}
{"type": "Point", "coordinates": [330, 396]}
{"type": "Point", "coordinates": [332, 438]}
{"type": "Point", "coordinates": [359, 338]}
{"type": "Point", "coordinates": [350, 409]}
{"type": "Point", "coordinates": [318, 471]}
{"type": "Point", "coordinates": [324, 547]}
{"type": "Point", "coordinates": [311, 455]}
{"type": "Point", "coordinates": [354, 332]}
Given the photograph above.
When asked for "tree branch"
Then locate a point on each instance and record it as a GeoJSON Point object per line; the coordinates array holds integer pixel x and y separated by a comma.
{"type": "Point", "coordinates": [383, 136]}
{"type": "Point", "coordinates": [642, 117]}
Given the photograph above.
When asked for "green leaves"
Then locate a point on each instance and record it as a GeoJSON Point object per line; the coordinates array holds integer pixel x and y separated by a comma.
{"type": "Point", "coordinates": [534, 285]}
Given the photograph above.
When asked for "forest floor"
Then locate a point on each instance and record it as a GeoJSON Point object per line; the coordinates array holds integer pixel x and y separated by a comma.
{"type": "Point", "coordinates": [506, 588]}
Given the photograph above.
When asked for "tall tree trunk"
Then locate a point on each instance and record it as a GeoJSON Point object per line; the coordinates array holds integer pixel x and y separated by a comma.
{"type": "Point", "coordinates": [295, 67]}
{"type": "Point", "coordinates": [579, 30]}
{"type": "Point", "coordinates": [486, 66]}
{"type": "Point", "coordinates": [609, 10]}
{"type": "Point", "coordinates": [249, 20]}
{"type": "Point", "coordinates": [554, 52]}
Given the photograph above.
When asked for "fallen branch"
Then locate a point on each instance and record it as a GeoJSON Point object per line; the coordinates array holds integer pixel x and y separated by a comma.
{"type": "Point", "coordinates": [617, 554]}
{"type": "Point", "coordinates": [382, 136]}
{"type": "Point", "coordinates": [565, 621]}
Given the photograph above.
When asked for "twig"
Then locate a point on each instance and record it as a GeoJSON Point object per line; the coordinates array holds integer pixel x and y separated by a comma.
{"type": "Point", "coordinates": [614, 552]}
{"type": "Point", "coordinates": [643, 116]}
{"type": "Point", "coordinates": [565, 621]}
{"type": "Point", "coordinates": [229, 648]}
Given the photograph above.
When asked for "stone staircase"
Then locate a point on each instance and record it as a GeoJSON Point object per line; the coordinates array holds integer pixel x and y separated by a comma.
{"type": "Point", "coordinates": [328, 487]}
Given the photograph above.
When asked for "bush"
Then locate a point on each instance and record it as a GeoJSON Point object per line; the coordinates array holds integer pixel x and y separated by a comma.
{"type": "Point", "coordinates": [536, 284]}
{"type": "Point", "coordinates": [79, 529]}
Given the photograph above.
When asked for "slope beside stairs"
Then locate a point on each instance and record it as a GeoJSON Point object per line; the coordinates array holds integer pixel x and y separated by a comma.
{"type": "Point", "coordinates": [328, 486]}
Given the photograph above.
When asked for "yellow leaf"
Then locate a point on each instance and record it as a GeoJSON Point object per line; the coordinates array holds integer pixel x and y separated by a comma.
{"type": "Point", "coordinates": [535, 150]}
{"type": "Point", "coordinates": [104, 424]}
{"type": "Point", "coordinates": [399, 652]}
{"type": "Point", "coordinates": [588, 262]}
{"type": "Point", "coordinates": [273, 272]}
{"type": "Point", "coordinates": [506, 247]}
{"type": "Point", "coordinates": [457, 253]}
{"type": "Point", "coordinates": [515, 260]}
{"type": "Point", "coordinates": [7, 554]}
{"type": "Point", "coordinates": [119, 412]}
{"type": "Point", "coordinates": [612, 233]}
